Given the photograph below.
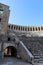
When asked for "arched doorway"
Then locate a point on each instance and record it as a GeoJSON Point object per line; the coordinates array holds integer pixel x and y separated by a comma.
{"type": "Point", "coordinates": [10, 51]}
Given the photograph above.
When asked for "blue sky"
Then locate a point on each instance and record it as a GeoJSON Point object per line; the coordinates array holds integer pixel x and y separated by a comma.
{"type": "Point", "coordinates": [25, 12]}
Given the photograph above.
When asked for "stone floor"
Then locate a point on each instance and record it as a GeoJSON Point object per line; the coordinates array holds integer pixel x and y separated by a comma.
{"type": "Point", "coordinates": [12, 61]}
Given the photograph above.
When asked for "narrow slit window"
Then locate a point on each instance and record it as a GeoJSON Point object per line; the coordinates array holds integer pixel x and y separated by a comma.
{"type": "Point", "coordinates": [9, 39]}
{"type": "Point", "coordinates": [0, 19]}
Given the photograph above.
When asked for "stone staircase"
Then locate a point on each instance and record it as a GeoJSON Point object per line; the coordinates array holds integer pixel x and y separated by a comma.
{"type": "Point", "coordinates": [35, 48]}
{"type": "Point", "coordinates": [38, 58]}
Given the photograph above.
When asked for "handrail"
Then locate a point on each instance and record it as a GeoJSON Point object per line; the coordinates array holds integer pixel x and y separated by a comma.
{"type": "Point", "coordinates": [22, 44]}
{"type": "Point", "coordinates": [28, 52]}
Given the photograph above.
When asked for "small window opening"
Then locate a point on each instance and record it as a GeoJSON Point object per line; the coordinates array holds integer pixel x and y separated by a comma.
{"type": "Point", "coordinates": [0, 19]}
{"type": "Point", "coordinates": [9, 39]}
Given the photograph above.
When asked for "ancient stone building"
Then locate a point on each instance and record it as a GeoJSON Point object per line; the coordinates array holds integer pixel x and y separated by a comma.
{"type": "Point", "coordinates": [23, 42]}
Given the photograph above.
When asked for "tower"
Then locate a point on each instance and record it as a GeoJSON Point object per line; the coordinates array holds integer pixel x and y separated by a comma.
{"type": "Point", "coordinates": [4, 17]}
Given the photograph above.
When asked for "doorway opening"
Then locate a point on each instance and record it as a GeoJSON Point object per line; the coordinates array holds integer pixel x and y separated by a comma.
{"type": "Point", "coordinates": [10, 51]}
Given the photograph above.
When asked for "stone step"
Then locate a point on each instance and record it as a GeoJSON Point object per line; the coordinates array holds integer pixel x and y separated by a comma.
{"type": "Point", "coordinates": [41, 61]}
{"type": "Point", "coordinates": [38, 55]}
{"type": "Point", "coordinates": [38, 60]}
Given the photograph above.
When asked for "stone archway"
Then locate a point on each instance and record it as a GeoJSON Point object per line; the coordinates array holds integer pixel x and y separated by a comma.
{"type": "Point", "coordinates": [10, 51]}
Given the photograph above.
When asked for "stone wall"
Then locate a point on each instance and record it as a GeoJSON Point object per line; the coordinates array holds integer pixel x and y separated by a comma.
{"type": "Point", "coordinates": [4, 17]}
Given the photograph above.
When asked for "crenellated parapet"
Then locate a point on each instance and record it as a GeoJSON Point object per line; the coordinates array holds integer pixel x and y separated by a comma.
{"type": "Point", "coordinates": [25, 28]}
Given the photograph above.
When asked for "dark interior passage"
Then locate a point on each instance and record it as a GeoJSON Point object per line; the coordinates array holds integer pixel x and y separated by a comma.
{"type": "Point", "coordinates": [10, 51]}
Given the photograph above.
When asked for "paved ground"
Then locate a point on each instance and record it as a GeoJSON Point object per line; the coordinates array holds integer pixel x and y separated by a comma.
{"type": "Point", "coordinates": [12, 61]}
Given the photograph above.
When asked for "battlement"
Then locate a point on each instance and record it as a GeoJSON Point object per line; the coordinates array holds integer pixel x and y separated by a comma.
{"type": "Point", "coordinates": [25, 28]}
{"type": "Point", "coordinates": [4, 26]}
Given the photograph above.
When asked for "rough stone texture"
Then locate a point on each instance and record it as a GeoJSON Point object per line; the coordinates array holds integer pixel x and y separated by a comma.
{"type": "Point", "coordinates": [4, 18]}
{"type": "Point", "coordinates": [11, 35]}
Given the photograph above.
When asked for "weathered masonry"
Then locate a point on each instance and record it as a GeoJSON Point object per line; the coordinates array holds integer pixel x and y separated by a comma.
{"type": "Point", "coordinates": [4, 16]}
{"type": "Point", "coordinates": [23, 42]}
